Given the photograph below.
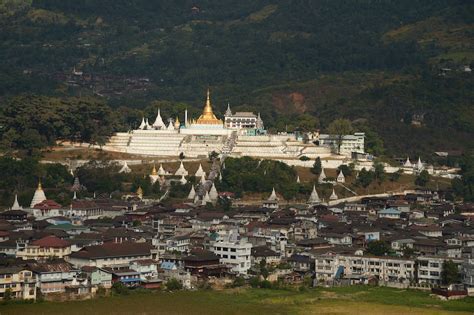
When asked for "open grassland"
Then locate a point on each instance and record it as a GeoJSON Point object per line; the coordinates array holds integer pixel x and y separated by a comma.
{"type": "Point", "coordinates": [350, 300]}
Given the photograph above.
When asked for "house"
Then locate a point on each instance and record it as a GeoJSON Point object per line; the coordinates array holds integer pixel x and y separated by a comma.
{"type": "Point", "coordinates": [389, 213]}
{"type": "Point", "coordinates": [47, 247]}
{"type": "Point", "coordinates": [98, 277]}
{"type": "Point", "coordinates": [110, 254]}
{"type": "Point", "coordinates": [53, 276]}
{"type": "Point", "coordinates": [301, 263]}
{"type": "Point", "coordinates": [234, 252]}
{"type": "Point", "coordinates": [260, 253]}
{"type": "Point", "coordinates": [127, 277]}
{"type": "Point", "coordinates": [147, 268]}
{"type": "Point", "coordinates": [14, 215]}
{"type": "Point", "coordinates": [203, 264]}
{"type": "Point", "coordinates": [19, 280]}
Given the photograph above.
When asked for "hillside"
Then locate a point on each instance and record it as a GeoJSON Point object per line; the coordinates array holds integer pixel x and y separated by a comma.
{"type": "Point", "coordinates": [382, 64]}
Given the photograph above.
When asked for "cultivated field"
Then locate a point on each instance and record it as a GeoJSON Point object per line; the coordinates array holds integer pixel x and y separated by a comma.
{"type": "Point", "coordinates": [351, 300]}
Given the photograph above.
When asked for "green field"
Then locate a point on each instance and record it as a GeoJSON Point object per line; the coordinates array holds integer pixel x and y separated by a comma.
{"type": "Point", "coordinates": [351, 300]}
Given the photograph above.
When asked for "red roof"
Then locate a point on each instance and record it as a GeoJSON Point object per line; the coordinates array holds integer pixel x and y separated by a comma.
{"type": "Point", "coordinates": [50, 241]}
{"type": "Point", "coordinates": [47, 205]}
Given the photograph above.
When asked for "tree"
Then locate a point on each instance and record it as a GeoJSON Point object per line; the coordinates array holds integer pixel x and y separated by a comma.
{"type": "Point", "coordinates": [365, 178]}
{"type": "Point", "coordinates": [340, 128]}
{"type": "Point", "coordinates": [395, 176]}
{"type": "Point", "coordinates": [450, 273]}
{"type": "Point", "coordinates": [317, 167]}
{"type": "Point", "coordinates": [238, 282]}
{"type": "Point", "coordinates": [422, 179]}
{"type": "Point", "coordinates": [379, 172]}
{"type": "Point", "coordinates": [378, 248]}
{"type": "Point", "coordinates": [120, 289]}
{"type": "Point", "coordinates": [181, 156]}
{"type": "Point", "coordinates": [263, 269]}
{"type": "Point", "coordinates": [7, 295]}
{"type": "Point", "coordinates": [213, 155]}
{"type": "Point", "coordinates": [346, 170]}
{"type": "Point", "coordinates": [174, 284]}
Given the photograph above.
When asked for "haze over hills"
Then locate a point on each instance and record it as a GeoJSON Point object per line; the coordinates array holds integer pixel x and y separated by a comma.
{"type": "Point", "coordinates": [398, 68]}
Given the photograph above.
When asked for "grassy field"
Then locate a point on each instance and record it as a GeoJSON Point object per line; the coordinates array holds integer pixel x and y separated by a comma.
{"type": "Point", "coordinates": [350, 300]}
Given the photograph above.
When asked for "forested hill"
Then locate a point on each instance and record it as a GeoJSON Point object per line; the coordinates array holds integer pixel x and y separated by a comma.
{"type": "Point", "coordinates": [394, 67]}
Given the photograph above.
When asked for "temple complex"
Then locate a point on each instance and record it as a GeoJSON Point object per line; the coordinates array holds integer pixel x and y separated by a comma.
{"type": "Point", "coordinates": [239, 134]}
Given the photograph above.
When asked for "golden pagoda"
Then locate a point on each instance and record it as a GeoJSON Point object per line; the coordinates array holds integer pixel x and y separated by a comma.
{"type": "Point", "coordinates": [207, 117]}
{"type": "Point", "coordinates": [153, 171]}
{"type": "Point", "coordinates": [140, 192]}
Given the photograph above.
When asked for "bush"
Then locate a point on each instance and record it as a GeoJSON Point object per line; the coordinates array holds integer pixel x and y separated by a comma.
{"type": "Point", "coordinates": [119, 288]}
{"type": "Point", "coordinates": [174, 284]}
{"type": "Point", "coordinates": [304, 158]}
{"type": "Point", "coordinates": [238, 282]}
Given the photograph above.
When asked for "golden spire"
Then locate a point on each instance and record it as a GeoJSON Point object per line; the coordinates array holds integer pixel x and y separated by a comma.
{"type": "Point", "coordinates": [177, 123]}
{"type": "Point", "coordinates": [140, 192]}
{"type": "Point", "coordinates": [153, 171]}
{"type": "Point", "coordinates": [208, 117]}
{"type": "Point", "coordinates": [40, 187]}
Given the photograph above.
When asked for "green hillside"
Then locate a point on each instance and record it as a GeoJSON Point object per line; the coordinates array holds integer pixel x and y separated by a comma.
{"type": "Point", "coordinates": [396, 67]}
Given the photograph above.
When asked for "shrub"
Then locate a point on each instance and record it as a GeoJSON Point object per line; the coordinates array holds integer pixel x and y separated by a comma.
{"type": "Point", "coordinates": [174, 284]}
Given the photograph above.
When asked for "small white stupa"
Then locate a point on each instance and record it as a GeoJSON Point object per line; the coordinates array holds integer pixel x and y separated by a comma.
{"type": "Point", "coordinates": [314, 197]}
{"type": "Point", "coordinates": [213, 193]}
{"type": "Point", "coordinates": [16, 205]}
{"type": "Point", "coordinates": [273, 196]}
{"type": "Point", "coordinates": [200, 171]}
{"type": "Point", "coordinates": [419, 165]}
{"type": "Point", "coordinates": [206, 199]}
{"type": "Point", "coordinates": [143, 124]}
{"type": "Point", "coordinates": [125, 169]}
{"type": "Point", "coordinates": [39, 196]}
{"type": "Point", "coordinates": [298, 179]}
{"type": "Point", "coordinates": [159, 124]}
{"type": "Point", "coordinates": [408, 163]}
{"type": "Point", "coordinates": [340, 178]}
{"type": "Point", "coordinates": [203, 179]}
{"type": "Point", "coordinates": [181, 171]}
{"type": "Point", "coordinates": [322, 177]}
{"type": "Point", "coordinates": [161, 171]}
{"type": "Point", "coordinates": [333, 195]}
{"type": "Point", "coordinates": [183, 180]}
{"type": "Point", "coordinates": [192, 193]}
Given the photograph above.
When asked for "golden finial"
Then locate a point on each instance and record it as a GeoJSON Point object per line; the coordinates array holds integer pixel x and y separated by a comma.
{"type": "Point", "coordinates": [40, 187]}
{"type": "Point", "coordinates": [140, 192]}
{"type": "Point", "coordinates": [153, 171]}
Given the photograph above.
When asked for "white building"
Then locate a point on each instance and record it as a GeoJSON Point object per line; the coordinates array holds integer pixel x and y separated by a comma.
{"type": "Point", "coordinates": [349, 144]}
{"type": "Point", "coordinates": [234, 252]}
{"type": "Point", "coordinates": [430, 268]}
{"type": "Point", "coordinates": [386, 269]}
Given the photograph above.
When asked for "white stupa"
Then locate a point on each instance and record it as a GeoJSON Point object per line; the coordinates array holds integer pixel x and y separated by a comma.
{"type": "Point", "coordinates": [408, 163]}
{"type": "Point", "coordinates": [333, 195]}
{"type": "Point", "coordinates": [125, 169]}
{"type": "Point", "coordinates": [273, 196]}
{"type": "Point", "coordinates": [170, 126]}
{"type": "Point", "coordinates": [314, 197]}
{"type": "Point", "coordinates": [38, 197]}
{"type": "Point", "coordinates": [183, 180]}
{"type": "Point", "coordinates": [203, 179]}
{"type": "Point", "coordinates": [16, 205]}
{"type": "Point", "coordinates": [322, 177]}
{"type": "Point", "coordinates": [200, 171]}
{"type": "Point", "coordinates": [298, 179]}
{"type": "Point", "coordinates": [340, 178]}
{"type": "Point", "coordinates": [143, 124]}
{"type": "Point", "coordinates": [419, 164]}
{"type": "Point", "coordinates": [181, 171]}
{"type": "Point", "coordinates": [213, 193]}
{"type": "Point", "coordinates": [147, 124]}
{"type": "Point", "coordinates": [159, 124]}
{"type": "Point", "coordinates": [192, 193]}
{"type": "Point", "coordinates": [206, 199]}
{"type": "Point", "coordinates": [161, 171]}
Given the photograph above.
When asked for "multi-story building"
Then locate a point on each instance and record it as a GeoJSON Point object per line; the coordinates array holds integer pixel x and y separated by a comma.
{"type": "Point", "coordinates": [242, 120]}
{"type": "Point", "coordinates": [386, 269]}
{"type": "Point", "coordinates": [54, 276]}
{"type": "Point", "coordinates": [20, 282]}
{"type": "Point", "coordinates": [429, 268]}
{"type": "Point", "coordinates": [46, 247]}
{"type": "Point", "coordinates": [349, 143]}
{"type": "Point", "coordinates": [234, 252]}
